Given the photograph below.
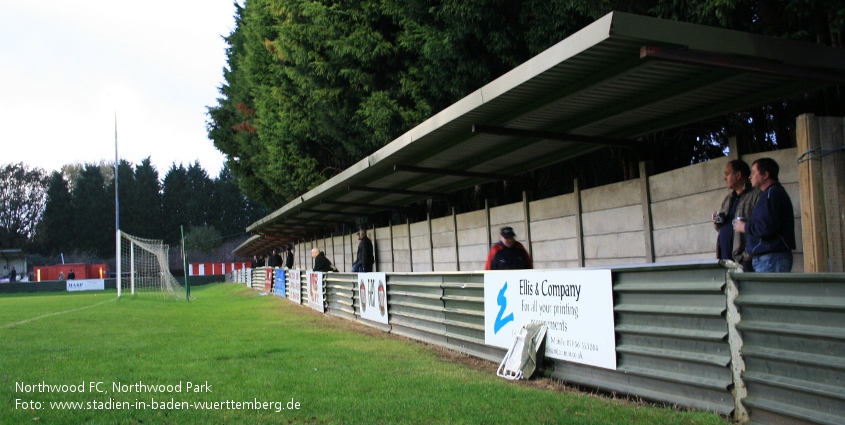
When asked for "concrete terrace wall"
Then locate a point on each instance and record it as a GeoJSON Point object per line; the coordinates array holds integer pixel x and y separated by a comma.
{"type": "Point", "coordinates": [660, 218]}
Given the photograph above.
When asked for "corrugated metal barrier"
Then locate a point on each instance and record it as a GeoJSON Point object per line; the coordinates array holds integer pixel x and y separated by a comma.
{"type": "Point", "coordinates": [793, 346]}
{"type": "Point", "coordinates": [769, 348]}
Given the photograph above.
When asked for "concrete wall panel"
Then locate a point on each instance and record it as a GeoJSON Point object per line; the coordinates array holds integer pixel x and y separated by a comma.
{"type": "Point", "coordinates": [611, 196]}
{"type": "Point", "coordinates": [697, 178]}
{"type": "Point", "coordinates": [617, 220]}
{"type": "Point", "coordinates": [691, 209]}
{"type": "Point", "coordinates": [552, 229]}
{"type": "Point", "coordinates": [559, 206]}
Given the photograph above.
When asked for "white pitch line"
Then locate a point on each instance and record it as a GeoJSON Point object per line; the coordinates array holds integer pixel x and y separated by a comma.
{"type": "Point", "coordinates": [23, 322]}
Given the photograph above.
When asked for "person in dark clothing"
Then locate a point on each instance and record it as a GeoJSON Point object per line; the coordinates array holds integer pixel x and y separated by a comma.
{"type": "Point", "coordinates": [321, 263]}
{"type": "Point", "coordinates": [365, 259]}
{"type": "Point", "coordinates": [508, 254]}
{"type": "Point", "coordinates": [289, 257]}
{"type": "Point", "coordinates": [770, 233]}
{"type": "Point", "coordinates": [71, 275]}
{"type": "Point", "coordinates": [739, 203]}
{"type": "Point", "coordinates": [13, 275]}
{"type": "Point", "coordinates": [275, 260]}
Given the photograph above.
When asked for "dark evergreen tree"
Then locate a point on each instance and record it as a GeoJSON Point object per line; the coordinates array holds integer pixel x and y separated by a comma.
{"type": "Point", "coordinates": [55, 231]}
{"type": "Point", "coordinates": [93, 207]}
{"type": "Point", "coordinates": [174, 198]}
{"type": "Point", "coordinates": [199, 196]}
{"type": "Point", "coordinates": [147, 199]}
{"type": "Point", "coordinates": [234, 211]}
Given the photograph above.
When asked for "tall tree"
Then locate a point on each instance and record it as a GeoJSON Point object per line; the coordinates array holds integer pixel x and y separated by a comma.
{"type": "Point", "coordinates": [236, 211]}
{"type": "Point", "coordinates": [22, 193]}
{"type": "Point", "coordinates": [55, 232]}
{"type": "Point", "coordinates": [199, 202]}
{"type": "Point", "coordinates": [130, 216]}
{"type": "Point", "coordinates": [93, 207]}
{"type": "Point", "coordinates": [174, 202]}
{"type": "Point", "coordinates": [147, 199]}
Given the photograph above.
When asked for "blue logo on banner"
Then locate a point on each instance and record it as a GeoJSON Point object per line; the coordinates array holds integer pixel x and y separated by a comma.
{"type": "Point", "coordinates": [502, 301]}
{"type": "Point", "coordinates": [280, 283]}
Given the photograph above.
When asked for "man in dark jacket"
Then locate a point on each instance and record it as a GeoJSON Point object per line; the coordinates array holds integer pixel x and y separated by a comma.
{"type": "Point", "coordinates": [288, 257]}
{"type": "Point", "coordinates": [770, 233]}
{"type": "Point", "coordinates": [275, 259]}
{"type": "Point", "coordinates": [321, 263]}
{"type": "Point", "coordinates": [365, 259]}
{"type": "Point", "coordinates": [730, 245]}
{"type": "Point", "coordinates": [508, 254]}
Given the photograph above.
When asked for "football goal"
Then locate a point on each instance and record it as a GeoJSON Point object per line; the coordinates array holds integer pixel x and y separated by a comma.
{"type": "Point", "coordinates": [144, 267]}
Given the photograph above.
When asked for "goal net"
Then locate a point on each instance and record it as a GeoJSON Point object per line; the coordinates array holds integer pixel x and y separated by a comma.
{"type": "Point", "coordinates": [144, 267]}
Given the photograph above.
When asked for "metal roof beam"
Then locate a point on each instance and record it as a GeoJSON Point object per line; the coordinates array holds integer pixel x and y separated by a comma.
{"type": "Point", "coordinates": [738, 63]}
{"type": "Point", "coordinates": [309, 210]}
{"type": "Point", "coordinates": [297, 221]}
{"type": "Point", "coordinates": [361, 205]}
{"type": "Point", "coordinates": [397, 191]}
{"type": "Point", "coordinates": [459, 173]}
{"type": "Point", "coordinates": [551, 135]}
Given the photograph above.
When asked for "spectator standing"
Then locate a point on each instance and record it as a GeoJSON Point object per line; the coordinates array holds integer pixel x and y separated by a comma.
{"type": "Point", "coordinates": [71, 275]}
{"type": "Point", "coordinates": [288, 257]}
{"type": "Point", "coordinates": [730, 244]}
{"type": "Point", "coordinates": [321, 263]}
{"type": "Point", "coordinates": [13, 275]}
{"type": "Point", "coordinates": [770, 233]}
{"type": "Point", "coordinates": [365, 259]}
{"type": "Point", "coordinates": [508, 254]}
{"type": "Point", "coordinates": [275, 259]}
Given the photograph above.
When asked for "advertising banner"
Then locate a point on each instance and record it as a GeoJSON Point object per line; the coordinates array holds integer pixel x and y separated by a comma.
{"type": "Point", "coordinates": [372, 288]}
{"type": "Point", "coordinates": [268, 279]}
{"type": "Point", "coordinates": [86, 285]}
{"type": "Point", "coordinates": [295, 284]}
{"type": "Point", "coordinates": [279, 286]}
{"type": "Point", "coordinates": [575, 305]}
{"type": "Point", "coordinates": [315, 290]}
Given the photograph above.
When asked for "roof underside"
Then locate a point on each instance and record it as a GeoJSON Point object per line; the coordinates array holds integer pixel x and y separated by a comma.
{"type": "Point", "coordinates": [622, 77]}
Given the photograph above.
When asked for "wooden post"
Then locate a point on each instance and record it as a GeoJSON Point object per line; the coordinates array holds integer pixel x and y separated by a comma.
{"type": "Point", "coordinates": [410, 245]}
{"type": "Point", "coordinates": [457, 251]}
{"type": "Point", "coordinates": [579, 231]}
{"type": "Point", "coordinates": [733, 149]}
{"type": "Point", "coordinates": [343, 248]}
{"type": "Point", "coordinates": [821, 176]}
{"type": "Point", "coordinates": [489, 231]}
{"type": "Point", "coordinates": [648, 233]}
{"type": "Point", "coordinates": [375, 250]}
{"type": "Point", "coordinates": [526, 213]}
{"type": "Point", "coordinates": [392, 254]}
{"type": "Point", "coordinates": [430, 243]}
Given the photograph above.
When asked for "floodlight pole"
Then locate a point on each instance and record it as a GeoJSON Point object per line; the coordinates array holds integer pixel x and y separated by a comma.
{"type": "Point", "coordinates": [116, 211]}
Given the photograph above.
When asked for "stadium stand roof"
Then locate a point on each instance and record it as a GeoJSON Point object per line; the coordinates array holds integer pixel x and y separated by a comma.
{"type": "Point", "coordinates": [622, 77]}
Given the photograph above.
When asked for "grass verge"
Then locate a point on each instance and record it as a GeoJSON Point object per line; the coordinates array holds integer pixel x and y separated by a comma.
{"type": "Point", "coordinates": [254, 349]}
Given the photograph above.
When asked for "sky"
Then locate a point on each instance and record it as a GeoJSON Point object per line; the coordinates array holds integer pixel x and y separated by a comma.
{"type": "Point", "coordinates": [70, 69]}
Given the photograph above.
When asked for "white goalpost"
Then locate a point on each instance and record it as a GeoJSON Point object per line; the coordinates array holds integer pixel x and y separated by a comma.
{"type": "Point", "coordinates": [144, 267]}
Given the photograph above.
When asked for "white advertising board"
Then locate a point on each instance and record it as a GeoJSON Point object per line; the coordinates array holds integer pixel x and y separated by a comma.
{"type": "Point", "coordinates": [575, 305]}
{"type": "Point", "coordinates": [372, 289]}
{"type": "Point", "coordinates": [315, 290]}
{"type": "Point", "coordinates": [295, 286]}
{"type": "Point", "coordinates": [86, 285]}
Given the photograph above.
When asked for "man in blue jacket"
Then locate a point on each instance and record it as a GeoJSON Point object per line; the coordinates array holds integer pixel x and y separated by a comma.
{"type": "Point", "coordinates": [770, 232]}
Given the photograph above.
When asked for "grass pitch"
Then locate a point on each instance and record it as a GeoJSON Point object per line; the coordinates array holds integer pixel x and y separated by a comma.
{"type": "Point", "coordinates": [232, 357]}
